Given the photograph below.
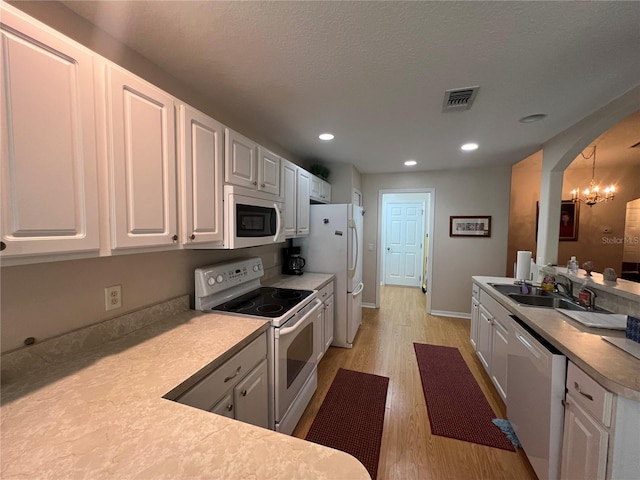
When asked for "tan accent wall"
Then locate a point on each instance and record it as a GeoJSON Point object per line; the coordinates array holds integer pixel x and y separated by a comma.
{"type": "Point", "coordinates": [604, 249]}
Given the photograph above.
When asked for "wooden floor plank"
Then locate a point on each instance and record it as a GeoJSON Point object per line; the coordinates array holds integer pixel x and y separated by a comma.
{"type": "Point", "coordinates": [384, 346]}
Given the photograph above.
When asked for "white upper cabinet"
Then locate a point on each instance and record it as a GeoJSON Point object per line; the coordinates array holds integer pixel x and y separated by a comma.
{"type": "Point", "coordinates": [295, 190]}
{"type": "Point", "coordinates": [302, 208]}
{"type": "Point", "coordinates": [201, 163]}
{"type": "Point", "coordinates": [320, 190]}
{"type": "Point", "coordinates": [240, 160]}
{"type": "Point", "coordinates": [268, 171]}
{"type": "Point", "coordinates": [289, 182]}
{"type": "Point", "coordinates": [48, 144]}
{"type": "Point", "coordinates": [142, 162]}
{"type": "Point", "coordinates": [247, 164]}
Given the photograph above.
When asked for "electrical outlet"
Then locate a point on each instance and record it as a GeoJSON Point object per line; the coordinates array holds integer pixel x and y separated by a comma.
{"type": "Point", "coordinates": [113, 297]}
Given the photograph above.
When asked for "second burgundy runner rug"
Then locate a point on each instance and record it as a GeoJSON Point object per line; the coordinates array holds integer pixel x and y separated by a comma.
{"type": "Point", "coordinates": [351, 417]}
{"type": "Point", "coordinates": [456, 406]}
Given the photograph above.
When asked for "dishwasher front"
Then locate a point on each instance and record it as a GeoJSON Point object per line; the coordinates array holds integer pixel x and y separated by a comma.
{"type": "Point", "coordinates": [536, 374]}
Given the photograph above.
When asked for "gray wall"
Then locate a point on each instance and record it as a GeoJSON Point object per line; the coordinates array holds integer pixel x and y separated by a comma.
{"type": "Point", "coordinates": [457, 192]}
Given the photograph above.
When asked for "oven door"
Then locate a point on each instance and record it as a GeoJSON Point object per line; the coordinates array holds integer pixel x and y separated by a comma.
{"type": "Point", "coordinates": [252, 218]}
{"type": "Point", "coordinates": [296, 350]}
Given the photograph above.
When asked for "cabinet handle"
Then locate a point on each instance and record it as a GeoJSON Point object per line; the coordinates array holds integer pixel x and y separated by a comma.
{"type": "Point", "coordinates": [577, 387]}
{"type": "Point", "coordinates": [255, 183]}
{"type": "Point", "coordinates": [193, 236]}
{"type": "Point", "coordinates": [244, 393]}
{"type": "Point", "coordinates": [262, 185]}
{"type": "Point", "coordinates": [230, 407]}
{"type": "Point", "coordinates": [233, 376]}
{"type": "Point", "coordinates": [174, 238]}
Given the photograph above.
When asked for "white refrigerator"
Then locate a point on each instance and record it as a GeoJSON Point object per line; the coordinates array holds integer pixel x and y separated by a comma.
{"type": "Point", "coordinates": [334, 245]}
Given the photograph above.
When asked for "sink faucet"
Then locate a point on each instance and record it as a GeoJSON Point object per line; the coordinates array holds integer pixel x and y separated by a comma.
{"type": "Point", "coordinates": [567, 286]}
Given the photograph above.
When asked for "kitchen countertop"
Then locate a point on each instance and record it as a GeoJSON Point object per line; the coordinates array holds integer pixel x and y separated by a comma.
{"type": "Point", "coordinates": [613, 368]}
{"type": "Point", "coordinates": [93, 408]}
{"type": "Point", "coordinates": [306, 281]}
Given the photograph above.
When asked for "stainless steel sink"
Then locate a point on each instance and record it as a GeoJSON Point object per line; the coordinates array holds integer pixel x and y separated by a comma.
{"type": "Point", "coordinates": [507, 289]}
{"type": "Point", "coordinates": [545, 301]}
{"type": "Point", "coordinates": [537, 297]}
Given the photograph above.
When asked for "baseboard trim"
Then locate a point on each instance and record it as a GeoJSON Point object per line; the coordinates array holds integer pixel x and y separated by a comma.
{"type": "Point", "coordinates": [444, 313]}
{"type": "Point", "coordinates": [369, 305]}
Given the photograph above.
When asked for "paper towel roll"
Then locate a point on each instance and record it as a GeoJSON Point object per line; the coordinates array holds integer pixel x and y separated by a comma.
{"type": "Point", "coordinates": [523, 265]}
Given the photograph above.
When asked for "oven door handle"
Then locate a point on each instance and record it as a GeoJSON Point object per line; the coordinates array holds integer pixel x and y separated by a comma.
{"type": "Point", "coordinates": [281, 332]}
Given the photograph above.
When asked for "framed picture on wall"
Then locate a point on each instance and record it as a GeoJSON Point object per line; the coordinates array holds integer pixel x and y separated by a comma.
{"type": "Point", "coordinates": [569, 220]}
{"type": "Point", "coordinates": [470, 226]}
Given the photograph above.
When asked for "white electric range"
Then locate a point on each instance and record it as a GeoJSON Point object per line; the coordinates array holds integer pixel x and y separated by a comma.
{"type": "Point", "coordinates": [295, 335]}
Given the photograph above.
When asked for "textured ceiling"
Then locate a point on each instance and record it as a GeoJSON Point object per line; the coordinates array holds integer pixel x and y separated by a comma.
{"type": "Point", "coordinates": [375, 73]}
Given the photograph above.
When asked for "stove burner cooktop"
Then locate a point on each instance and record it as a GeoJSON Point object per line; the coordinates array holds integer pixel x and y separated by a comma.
{"type": "Point", "coordinates": [267, 302]}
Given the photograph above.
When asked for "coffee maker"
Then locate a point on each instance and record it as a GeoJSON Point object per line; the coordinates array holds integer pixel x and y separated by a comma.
{"type": "Point", "coordinates": [292, 262]}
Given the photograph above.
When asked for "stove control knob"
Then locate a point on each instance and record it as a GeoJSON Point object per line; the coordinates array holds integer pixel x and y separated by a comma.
{"type": "Point", "coordinates": [211, 281]}
{"type": "Point", "coordinates": [219, 278]}
{"type": "Point", "coordinates": [256, 268]}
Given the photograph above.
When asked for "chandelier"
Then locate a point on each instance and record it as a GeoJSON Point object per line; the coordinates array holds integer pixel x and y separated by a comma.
{"type": "Point", "coordinates": [592, 195]}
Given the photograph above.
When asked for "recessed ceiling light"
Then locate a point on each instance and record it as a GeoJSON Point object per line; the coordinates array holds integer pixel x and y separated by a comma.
{"type": "Point", "coordinates": [469, 146]}
{"type": "Point", "coordinates": [536, 117]}
{"type": "Point", "coordinates": [410, 163]}
{"type": "Point", "coordinates": [325, 136]}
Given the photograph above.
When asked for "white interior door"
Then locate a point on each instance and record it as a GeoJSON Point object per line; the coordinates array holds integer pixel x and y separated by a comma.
{"type": "Point", "coordinates": [404, 232]}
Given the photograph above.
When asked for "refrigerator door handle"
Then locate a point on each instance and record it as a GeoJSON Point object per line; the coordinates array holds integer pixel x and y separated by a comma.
{"type": "Point", "coordinates": [358, 289]}
{"type": "Point", "coordinates": [352, 270]}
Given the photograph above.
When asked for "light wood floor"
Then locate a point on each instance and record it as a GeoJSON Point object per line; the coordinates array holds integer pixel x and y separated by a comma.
{"type": "Point", "coordinates": [384, 346]}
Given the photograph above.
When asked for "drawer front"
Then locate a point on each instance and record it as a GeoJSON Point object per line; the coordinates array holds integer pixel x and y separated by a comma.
{"type": "Point", "coordinates": [208, 392]}
{"type": "Point", "coordinates": [325, 292]}
{"type": "Point", "coordinates": [592, 396]}
{"type": "Point", "coordinates": [475, 291]}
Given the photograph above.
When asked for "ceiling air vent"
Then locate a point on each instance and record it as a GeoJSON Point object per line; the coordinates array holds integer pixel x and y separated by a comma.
{"type": "Point", "coordinates": [459, 99]}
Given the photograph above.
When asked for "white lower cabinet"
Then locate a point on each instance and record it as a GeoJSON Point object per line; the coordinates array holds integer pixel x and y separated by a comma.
{"type": "Point", "coordinates": [328, 312]}
{"type": "Point", "coordinates": [238, 388]}
{"type": "Point", "coordinates": [490, 326]}
{"type": "Point", "coordinates": [585, 442]}
{"type": "Point", "coordinates": [475, 316]}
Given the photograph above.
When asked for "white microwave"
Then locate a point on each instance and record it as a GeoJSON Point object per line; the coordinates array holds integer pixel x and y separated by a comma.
{"type": "Point", "coordinates": [252, 218]}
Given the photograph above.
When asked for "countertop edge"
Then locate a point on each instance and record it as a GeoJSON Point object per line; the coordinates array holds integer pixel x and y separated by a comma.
{"type": "Point", "coordinates": [525, 314]}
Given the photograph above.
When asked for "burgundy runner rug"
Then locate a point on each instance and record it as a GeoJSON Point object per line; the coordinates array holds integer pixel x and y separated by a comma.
{"type": "Point", "coordinates": [351, 417]}
{"type": "Point", "coordinates": [456, 406]}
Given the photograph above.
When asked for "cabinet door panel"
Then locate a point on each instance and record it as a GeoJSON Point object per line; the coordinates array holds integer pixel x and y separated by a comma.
{"type": "Point", "coordinates": [329, 310]}
{"type": "Point", "coordinates": [268, 171]}
{"type": "Point", "coordinates": [202, 150]}
{"type": "Point", "coordinates": [225, 407]}
{"type": "Point", "coordinates": [252, 397]}
{"type": "Point", "coordinates": [289, 182]}
{"type": "Point", "coordinates": [143, 162]}
{"type": "Point", "coordinates": [49, 169]}
{"type": "Point", "coordinates": [584, 447]}
{"type": "Point", "coordinates": [240, 160]}
{"type": "Point", "coordinates": [302, 210]}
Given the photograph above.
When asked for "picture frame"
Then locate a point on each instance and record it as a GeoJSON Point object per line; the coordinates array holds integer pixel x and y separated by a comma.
{"type": "Point", "coordinates": [470, 226]}
{"type": "Point", "coordinates": [569, 221]}
{"type": "Point", "coordinates": [568, 224]}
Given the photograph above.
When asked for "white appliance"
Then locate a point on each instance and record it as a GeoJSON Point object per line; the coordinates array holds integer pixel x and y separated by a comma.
{"type": "Point", "coordinates": [252, 218]}
{"type": "Point", "coordinates": [294, 338]}
{"type": "Point", "coordinates": [536, 374]}
{"type": "Point", "coordinates": [334, 245]}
